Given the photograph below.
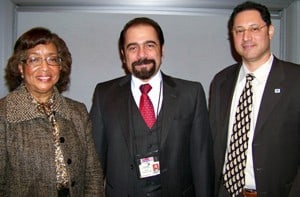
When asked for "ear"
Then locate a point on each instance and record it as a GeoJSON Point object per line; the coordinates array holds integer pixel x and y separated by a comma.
{"type": "Point", "coordinates": [122, 56]}
{"type": "Point", "coordinates": [271, 31]}
{"type": "Point", "coordinates": [20, 67]}
{"type": "Point", "coordinates": [162, 50]}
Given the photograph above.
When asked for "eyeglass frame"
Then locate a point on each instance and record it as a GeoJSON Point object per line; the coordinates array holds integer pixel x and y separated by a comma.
{"type": "Point", "coordinates": [255, 28]}
{"type": "Point", "coordinates": [40, 61]}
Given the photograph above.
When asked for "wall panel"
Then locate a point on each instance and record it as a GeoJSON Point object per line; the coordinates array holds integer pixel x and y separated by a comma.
{"type": "Point", "coordinates": [196, 43]}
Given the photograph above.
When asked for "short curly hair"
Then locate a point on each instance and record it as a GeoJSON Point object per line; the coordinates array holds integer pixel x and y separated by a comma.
{"type": "Point", "coordinates": [30, 39]}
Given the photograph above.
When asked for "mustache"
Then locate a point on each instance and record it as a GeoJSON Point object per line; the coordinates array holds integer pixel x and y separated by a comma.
{"type": "Point", "coordinates": [143, 61]}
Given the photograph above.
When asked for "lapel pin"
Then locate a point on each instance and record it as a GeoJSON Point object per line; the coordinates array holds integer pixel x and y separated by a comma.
{"type": "Point", "coordinates": [277, 90]}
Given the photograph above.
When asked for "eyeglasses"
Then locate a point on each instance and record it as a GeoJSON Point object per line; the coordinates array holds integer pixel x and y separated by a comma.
{"type": "Point", "coordinates": [36, 61]}
{"type": "Point", "coordinates": [252, 29]}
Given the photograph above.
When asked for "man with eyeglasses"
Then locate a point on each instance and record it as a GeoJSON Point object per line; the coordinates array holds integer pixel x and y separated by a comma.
{"type": "Point", "coordinates": [257, 136]}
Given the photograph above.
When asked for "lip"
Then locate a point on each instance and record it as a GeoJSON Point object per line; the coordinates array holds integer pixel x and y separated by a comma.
{"type": "Point", "coordinates": [43, 78]}
{"type": "Point", "coordinates": [142, 65]}
{"type": "Point", "coordinates": [143, 62]}
{"type": "Point", "coordinates": [248, 46]}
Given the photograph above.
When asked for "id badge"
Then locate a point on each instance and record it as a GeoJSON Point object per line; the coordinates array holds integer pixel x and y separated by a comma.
{"type": "Point", "coordinates": [148, 166]}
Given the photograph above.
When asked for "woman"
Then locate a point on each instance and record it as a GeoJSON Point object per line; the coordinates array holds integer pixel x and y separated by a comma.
{"type": "Point", "coordinates": [46, 145]}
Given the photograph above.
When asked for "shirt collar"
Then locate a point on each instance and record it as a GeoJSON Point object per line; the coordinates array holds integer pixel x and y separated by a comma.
{"type": "Point", "coordinates": [261, 74]}
{"type": "Point", "coordinates": [21, 106]}
{"type": "Point", "coordinates": [154, 81]}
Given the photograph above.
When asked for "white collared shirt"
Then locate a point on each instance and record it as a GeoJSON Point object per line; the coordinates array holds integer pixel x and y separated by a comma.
{"type": "Point", "coordinates": [258, 86]}
{"type": "Point", "coordinates": [155, 94]}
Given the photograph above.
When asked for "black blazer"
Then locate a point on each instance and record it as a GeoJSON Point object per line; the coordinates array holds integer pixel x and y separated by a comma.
{"type": "Point", "coordinates": [276, 143]}
{"type": "Point", "coordinates": [186, 148]}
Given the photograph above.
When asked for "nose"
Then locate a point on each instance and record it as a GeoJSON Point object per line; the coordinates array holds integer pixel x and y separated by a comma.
{"type": "Point", "coordinates": [141, 52]}
{"type": "Point", "coordinates": [247, 35]}
{"type": "Point", "coordinates": [44, 64]}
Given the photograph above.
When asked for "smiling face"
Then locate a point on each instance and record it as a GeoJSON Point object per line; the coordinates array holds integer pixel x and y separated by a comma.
{"type": "Point", "coordinates": [41, 79]}
{"type": "Point", "coordinates": [253, 43]}
{"type": "Point", "coordinates": [142, 52]}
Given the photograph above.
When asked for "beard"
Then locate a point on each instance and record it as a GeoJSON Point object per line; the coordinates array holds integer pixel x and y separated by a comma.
{"type": "Point", "coordinates": [143, 73]}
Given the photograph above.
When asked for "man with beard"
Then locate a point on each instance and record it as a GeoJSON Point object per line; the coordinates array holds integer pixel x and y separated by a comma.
{"type": "Point", "coordinates": [167, 151]}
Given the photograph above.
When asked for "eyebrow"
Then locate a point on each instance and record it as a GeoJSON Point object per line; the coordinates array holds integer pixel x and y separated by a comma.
{"type": "Point", "coordinates": [248, 25]}
{"type": "Point", "coordinates": [147, 42]}
{"type": "Point", "coordinates": [35, 53]}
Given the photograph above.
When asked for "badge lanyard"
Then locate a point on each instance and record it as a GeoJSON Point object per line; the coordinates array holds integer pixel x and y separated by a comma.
{"type": "Point", "coordinates": [148, 164]}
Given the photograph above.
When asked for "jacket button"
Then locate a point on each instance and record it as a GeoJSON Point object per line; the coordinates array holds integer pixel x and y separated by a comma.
{"type": "Point", "coordinates": [69, 161]}
{"type": "Point", "coordinates": [73, 183]}
{"type": "Point", "coordinates": [62, 139]}
{"type": "Point", "coordinates": [131, 166]}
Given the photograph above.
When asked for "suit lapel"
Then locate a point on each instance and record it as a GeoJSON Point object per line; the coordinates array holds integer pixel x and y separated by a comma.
{"type": "Point", "coordinates": [123, 106]}
{"type": "Point", "coordinates": [226, 90]}
{"type": "Point", "coordinates": [272, 94]}
{"type": "Point", "coordinates": [169, 104]}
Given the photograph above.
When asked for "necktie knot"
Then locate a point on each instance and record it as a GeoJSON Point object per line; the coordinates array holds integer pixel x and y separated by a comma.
{"type": "Point", "coordinates": [146, 107]}
{"type": "Point", "coordinates": [145, 89]}
{"type": "Point", "coordinates": [249, 77]}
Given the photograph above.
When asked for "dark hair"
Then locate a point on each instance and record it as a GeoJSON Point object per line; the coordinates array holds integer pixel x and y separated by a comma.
{"type": "Point", "coordinates": [30, 39]}
{"type": "Point", "coordinates": [140, 21]}
{"type": "Point", "coordinates": [249, 5]}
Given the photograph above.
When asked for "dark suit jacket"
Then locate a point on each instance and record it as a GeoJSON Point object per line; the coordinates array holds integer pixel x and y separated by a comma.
{"type": "Point", "coordinates": [276, 143]}
{"type": "Point", "coordinates": [186, 148]}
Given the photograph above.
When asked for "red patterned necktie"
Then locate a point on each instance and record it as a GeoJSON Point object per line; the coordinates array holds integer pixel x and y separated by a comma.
{"type": "Point", "coordinates": [146, 107]}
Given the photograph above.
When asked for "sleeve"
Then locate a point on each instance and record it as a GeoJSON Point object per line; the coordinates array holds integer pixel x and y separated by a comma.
{"type": "Point", "coordinates": [3, 156]}
{"type": "Point", "coordinates": [94, 185]}
{"type": "Point", "coordinates": [98, 129]}
{"type": "Point", "coordinates": [201, 147]}
{"type": "Point", "coordinates": [295, 190]}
